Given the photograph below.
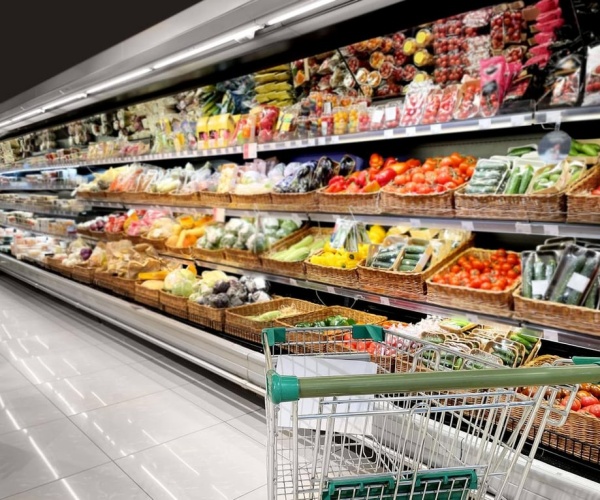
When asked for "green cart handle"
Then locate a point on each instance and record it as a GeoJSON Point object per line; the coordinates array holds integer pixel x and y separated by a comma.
{"type": "Point", "coordinates": [285, 388]}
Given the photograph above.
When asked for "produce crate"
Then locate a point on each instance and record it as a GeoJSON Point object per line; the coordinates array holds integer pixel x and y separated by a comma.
{"type": "Point", "coordinates": [553, 314]}
{"type": "Point", "coordinates": [210, 317]}
{"type": "Point", "coordinates": [407, 285]}
{"type": "Point", "coordinates": [146, 296]}
{"type": "Point", "coordinates": [83, 274]}
{"type": "Point", "coordinates": [293, 269]}
{"type": "Point", "coordinates": [158, 244]}
{"type": "Point", "coordinates": [251, 201]}
{"type": "Point", "coordinates": [102, 279]}
{"type": "Point", "coordinates": [295, 202]}
{"type": "Point", "coordinates": [120, 286]}
{"type": "Point", "coordinates": [182, 252]}
{"type": "Point", "coordinates": [114, 236]}
{"type": "Point", "coordinates": [57, 266]}
{"type": "Point", "coordinates": [344, 203]}
{"type": "Point", "coordinates": [90, 195]}
{"type": "Point", "coordinates": [132, 197]}
{"type": "Point", "coordinates": [238, 324]}
{"type": "Point", "coordinates": [173, 305]}
{"type": "Point", "coordinates": [462, 297]}
{"type": "Point", "coordinates": [135, 240]}
{"type": "Point", "coordinates": [208, 255]}
{"type": "Point", "coordinates": [84, 232]}
{"type": "Point", "coordinates": [208, 199]}
{"type": "Point", "coordinates": [346, 278]}
{"type": "Point", "coordinates": [185, 200]}
{"type": "Point", "coordinates": [242, 258]}
{"type": "Point", "coordinates": [428, 205]}
{"type": "Point", "coordinates": [113, 196]}
{"type": "Point", "coordinates": [99, 235]}
{"type": "Point", "coordinates": [582, 206]}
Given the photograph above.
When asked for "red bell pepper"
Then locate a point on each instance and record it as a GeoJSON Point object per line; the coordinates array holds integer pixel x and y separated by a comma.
{"type": "Point", "coordinates": [389, 162]}
{"type": "Point", "coordinates": [376, 161]}
{"type": "Point", "coordinates": [385, 176]}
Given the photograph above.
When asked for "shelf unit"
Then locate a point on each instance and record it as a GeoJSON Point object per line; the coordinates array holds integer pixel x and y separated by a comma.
{"type": "Point", "coordinates": [73, 236]}
{"type": "Point", "coordinates": [39, 210]}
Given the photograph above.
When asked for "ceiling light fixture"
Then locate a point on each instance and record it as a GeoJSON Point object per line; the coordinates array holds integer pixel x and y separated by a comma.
{"type": "Point", "coordinates": [205, 47]}
{"type": "Point", "coordinates": [117, 81]}
{"type": "Point", "coordinates": [4, 124]}
{"type": "Point", "coordinates": [27, 114]}
{"type": "Point", "coordinates": [299, 11]}
{"type": "Point", "coordinates": [66, 100]}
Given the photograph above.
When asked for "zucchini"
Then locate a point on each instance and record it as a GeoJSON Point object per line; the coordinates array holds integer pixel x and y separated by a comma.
{"type": "Point", "coordinates": [513, 183]}
{"type": "Point", "coordinates": [521, 151]}
{"type": "Point", "coordinates": [419, 249]}
{"type": "Point", "coordinates": [526, 179]}
{"type": "Point", "coordinates": [560, 291]}
{"type": "Point", "coordinates": [484, 182]}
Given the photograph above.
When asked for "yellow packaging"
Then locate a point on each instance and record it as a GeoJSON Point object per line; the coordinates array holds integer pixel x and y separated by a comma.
{"type": "Point", "coordinates": [220, 130]}
{"type": "Point", "coordinates": [202, 132]}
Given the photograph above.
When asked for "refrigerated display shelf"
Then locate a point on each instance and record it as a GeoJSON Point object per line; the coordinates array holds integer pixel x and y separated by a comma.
{"type": "Point", "coordinates": [73, 236]}
{"type": "Point", "coordinates": [494, 123]}
{"type": "Point", "coordinates": [40, 210]}
{"type": "Point", "coordinates": [27, 186]}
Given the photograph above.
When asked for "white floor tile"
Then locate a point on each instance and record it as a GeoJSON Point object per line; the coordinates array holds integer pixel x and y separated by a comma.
{"type": "Point", "coordinates": [40, 344]}
{"type": "Point", "coordinates": [88, 392]}
{"type": "Point", "coordinates": [25, 407]}
{"type": "Point", "coordinates": [126, 353]}
{"type": "Point", "coordinates": [27, 330]}
{"type": "Point", "coordinates": [218, 463]}
{"type": "Point", "coordinates": [258, 494]}
{"type": "Point", "coordinates": [218, 398]}
{"type": "Point", "coordinates": [168, 373]}
{"type": "Point", "coordinates": [11, 378]}
{"type": "Point", "coordinates": [63, 364]}
{"type": "Point", "coordinates": [43, 454]}
{"type": "Point", "coordinates": [253, 425]}
{"type": "Point", "coordinates": [136, 425]}
{"type": "Point", "coordinates": [106, 482]}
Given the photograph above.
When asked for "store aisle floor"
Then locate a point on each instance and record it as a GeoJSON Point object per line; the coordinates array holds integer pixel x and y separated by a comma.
{"type": "Point", "coordinates": [88, 413]}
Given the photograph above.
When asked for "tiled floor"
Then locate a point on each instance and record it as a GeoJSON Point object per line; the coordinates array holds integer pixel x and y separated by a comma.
{"type": "Point", "coordinates": [87, 413]}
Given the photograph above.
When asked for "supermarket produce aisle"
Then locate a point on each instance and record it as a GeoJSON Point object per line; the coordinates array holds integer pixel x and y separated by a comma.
{"type": "Point", "coordinates": [88, 413]}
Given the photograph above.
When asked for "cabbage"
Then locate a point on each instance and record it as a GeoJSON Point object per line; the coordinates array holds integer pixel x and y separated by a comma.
{"type": "Point", "coordinates": [257, 243]}
{"type": "Point", "coordinates": [246, 231]}
{"type": "Point", "coordinates": [183, 289]}
{"type": "Point", "coordinates": [228, 240]}
{"type": "Point", "coordinates": [214, 235]}
{"type": "Point", "coordinates": [178, 276]}
{"type": "Point", "coordinates": [270, 223]}
{"type": "Point", "coordinates": [289, 226]}
{"type": "Point", "coordinates": [234, 225]}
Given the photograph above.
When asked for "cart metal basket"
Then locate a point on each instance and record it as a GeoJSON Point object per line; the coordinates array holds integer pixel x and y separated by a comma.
{"type": "Point", "coordinates": [341, 426]}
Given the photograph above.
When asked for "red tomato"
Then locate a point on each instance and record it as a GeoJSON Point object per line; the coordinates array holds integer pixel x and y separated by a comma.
{"type": "Point", "coordinates": [418, 178]}
{"type": "Point", "coordinates": [443, 178]}
{"type": "Point", "coordinates": [589, 401]}
{"type": "Point", "coordinates": [594, 410]}
{"type": "Point", "coordinates": [576, 404]}
{"type": "Point", "coordinates": [361, 346]}
{"type": "Point", "coordinates": [596, 192]}
{"type": "Point", "coordinates": [486, 285]}
{"type": "Point", "coordinates": [475, 283]}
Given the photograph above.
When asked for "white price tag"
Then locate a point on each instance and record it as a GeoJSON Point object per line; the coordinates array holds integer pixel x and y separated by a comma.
{"type": "Point", "coordinates": [436, 128]}
{"type": "Point", "coordinates": [553, 117]}
{"type": "Point", "coordinates": [377, 116]}
{"type": "Point", "coordinates": [330, 289]}
{"type": "Point", "coordinates": [467, 225]}
{"type": "Point", "coordinates": [230, 151]}
{"type": "Point", "coordinates": [578, 282]}
{"type": "Point", "coordinates": [485, 123]}
{"type": "Point", "coordinates": [410, 131]}
{"type": "Point", "coordinates": [390, 113]}
{"type": "Point", "coordinates": [539, 287]}
{"type": "Point", "coordinates": [551, 229]}
{"type": "Point", "coordinates": [250, 151]}
{"type": "Point", "coordinates": [321, 141]}
{"type": "Point", "coordinates": [551, 335]}
{"type": "Point", "coordinates": [335, 139]}
{"type": "Point", "coordinates": [389, 132]}
{"type": "Point", "coordinates": [415, 222]}
{"type": "Point", "coordinates": [523, 228]}
{"type": "Point", "coordinates": [266, 147]}
{"type": "Point", "coordinates": [219, 214]}
{"type": "Point", "coordinates": [293, 282]}
{"type": "Point", "coordinates": [385, 301]}
{"type": "Point", "coordinates": [517, 120]}
{"type": "Point", "coordinates": [312, 142]}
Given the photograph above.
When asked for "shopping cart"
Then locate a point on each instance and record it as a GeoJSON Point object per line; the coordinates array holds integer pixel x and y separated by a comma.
{"type": "Point", "coordinates": [341, 425]}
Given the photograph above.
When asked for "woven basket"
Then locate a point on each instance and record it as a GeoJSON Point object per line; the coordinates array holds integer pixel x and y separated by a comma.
{"type": "Point", "coordinates": [346, 278]}
{"type": "Point", "coordinates": [295, 202]}
{"type": "Point", "coordinates": [251, 201]}
{"type": "Point", "coordinates": [356, 203]}
{"type": "Point", "coordinates": [114, 236]}
{"type": "Point", "coordinates": [83, 274]}
{"type": "Point", "coordinates": [171, 304]}
{"type": "Point", "coordinates": [132, 197]}
{"type": "Point", "coordinates": [242, 258]}
{"type": "Point", "coordinates": [238, 324]}
{"type": "Point", "coordinates": [428, 205]}
{"type": "Point", "coordinates": [582, 206]}
{"type": "Point", "coordinates": [576, 318]}
{"type": "Point", "coordinates": [83, 231]}
{"type": "Point", "coordinates": [135, 240]}
{"type": "Point", "coordinates": [183, 252]}
{"type": "Point", "coordinates": [158, 244]}
{"type": "Point", "coordinates": [405, 285]}
{"type": "Point", "coordinates": [57, 266]}
{"type": "Point", "coordinates": [90, 195]}
{"type": "Point", "coordinates": [113, 196]}
{"type": "Point", "coordinates": [208, 255]}
{"type": "Point", "coordinates": [206, 316]}
{"type": "Point", "coordinates": [462, 297]}
{"type": "Point", "coordinates": [211, 200]}
{"type": "Point", "coordinates": [146, 296]}
{"type": "Point", "coordinates": [293, 269]}
{"type": "Point", "coordinates": [102, 279]}
{"type": "Point", "coordinates": [99, 235]}
{"type": "Point", "coordinates": [120, 286]}
{"type": "Point", "coordinates": [185, 200]}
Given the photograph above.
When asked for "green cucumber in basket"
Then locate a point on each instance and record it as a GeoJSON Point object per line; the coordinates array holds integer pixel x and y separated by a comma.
{"type": "Point", "coordinates": [526, 179]}
{"type": "Point", "coordinates": [513, 182]}
{"type": "Point", "coordinates": [592, 297]}
{"type": "Point", "coordinates": [528, 275]}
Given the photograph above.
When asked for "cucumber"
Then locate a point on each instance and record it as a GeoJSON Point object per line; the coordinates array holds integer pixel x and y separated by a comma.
{"type": "Point", "coordinates": [527, 291]}
{"type": "Point", "coordinates": [538, 270]}
{"type": "Point", "coordinates": [588, 150]}
{"type": "Point", "coordinates": [574, 266]}
{"type": "Point", "coordinates": [526, 179]}
{"type": "Point", "coordinates": [409, 262]}
{"type": "Point", "coordinates": [484, 182]}
{"type": "Point", "coordinates": [513, 183]}
{"type": "Point", "coordinates": [592, 297]}
{"type": "Point", "coordinates": [574, 297]}
{"type": "Point", "coordinates": [418, 249]}
{"type": "Point", "coordinates": [550, 269]}
{"type": "Point", "coordinates": [516, 338]}
{"type": "Point", "coordinates": [521, 151]}
{"type": "Point", "coordinates": [479, 189]}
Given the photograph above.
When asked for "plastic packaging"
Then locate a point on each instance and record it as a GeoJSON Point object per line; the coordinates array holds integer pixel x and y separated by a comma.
{"type": "Point", "coordinates": [592, 77]}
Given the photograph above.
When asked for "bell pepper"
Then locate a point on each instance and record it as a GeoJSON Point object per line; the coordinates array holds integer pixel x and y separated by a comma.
{"type": "Point", "coordinates": [371, 187]}
{"type": "Point", "coordinates": [385, 176]}
{"type": "Point", "coordinates": [353, 188]}
{"type": "Point", "coordinates": [400, 167]}
{"type": "Point", "coordinates": [336, 187]}
{"type": "Point", "coordinates": [376, 161]}
{"type": "Point", "coordinates": [335, 179]}
{"type": "Point", "coordinates": [389, 161]}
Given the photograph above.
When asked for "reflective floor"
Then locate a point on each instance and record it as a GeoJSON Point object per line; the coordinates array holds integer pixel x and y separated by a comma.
{"type": "Point", "coordinates": [88, 413]}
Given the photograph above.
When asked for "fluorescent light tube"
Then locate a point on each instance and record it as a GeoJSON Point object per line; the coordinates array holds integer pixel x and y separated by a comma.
{"type": "Point", "coordinates": [65, 100]}
{"type": "Point", "coordinates": [205, 47]}
{"type": "Point", "coordinates": [298, 12]}
{"type": "Point", "coordinates": [4, 124]}
{"type": "Point", "coordinates": [117, 81]}
{"type": "Point", "coordinates": [26, 115]}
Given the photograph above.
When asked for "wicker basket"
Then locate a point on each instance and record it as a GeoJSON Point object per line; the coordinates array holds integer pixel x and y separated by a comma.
{"type": "Point", "coordinates": [355, 203]}
{"type": "Point", "coordinates": [211, 200]}
{"type": "Point", "coordinates": [99, 235]}
{"type": "Point", "coordinates": [120, 286]}
{"type": "Point", "coordinates": [158, 244]}
{"type": "Point", "coordinates": [206, 316]}
{"type": "Point", "coordinates": [90, 195]}
{"type": "Point", "coordinates": [552, 314]}
{"type": "Point", "coordinates": [146, 296]}
{"type": "Point", "coordinates": [293, 269]}
{"type": "Point", "coordinates": [84, 231]}
{"type": "Point", "coordinates": [102, 279]}
{"type": "Point", "coordinates": [114, 236]}
{"type": "Point", "coordinates": [238, 324]}
{"type": "Point", "coordinates": [113, 196]}
{"type": "Point", "coordinates": [428, 205]}
{"type": "Point", "coordinates": [83, 274]}
{"type": "Point", "coordinates": [208, 255]}
{"type": "Point", "coordinates": [132, 197]}
{"type": "Point", "coordinates": [173, 305]}
{"type": "Point", "coordinates": [346, 278]}
{"type": "Point", "coordinates": [242, 258]}
{"type": "Point", "coordinates": [295, 202]}
{"type": "Point", "coordinates": [582, 206]}
{"type": "Point", "coordinates": [251, 201]}
{"type": "Point", "coordinates": [462, 297]}
{"type": "Point", "coordinates": [57, 266]}
{"type": "Point", "coordinates": [183, 252]}
{"type": "Point", "coordinates": [404, 285]}
{"type": "Point", "coordinates": [185, 200]}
